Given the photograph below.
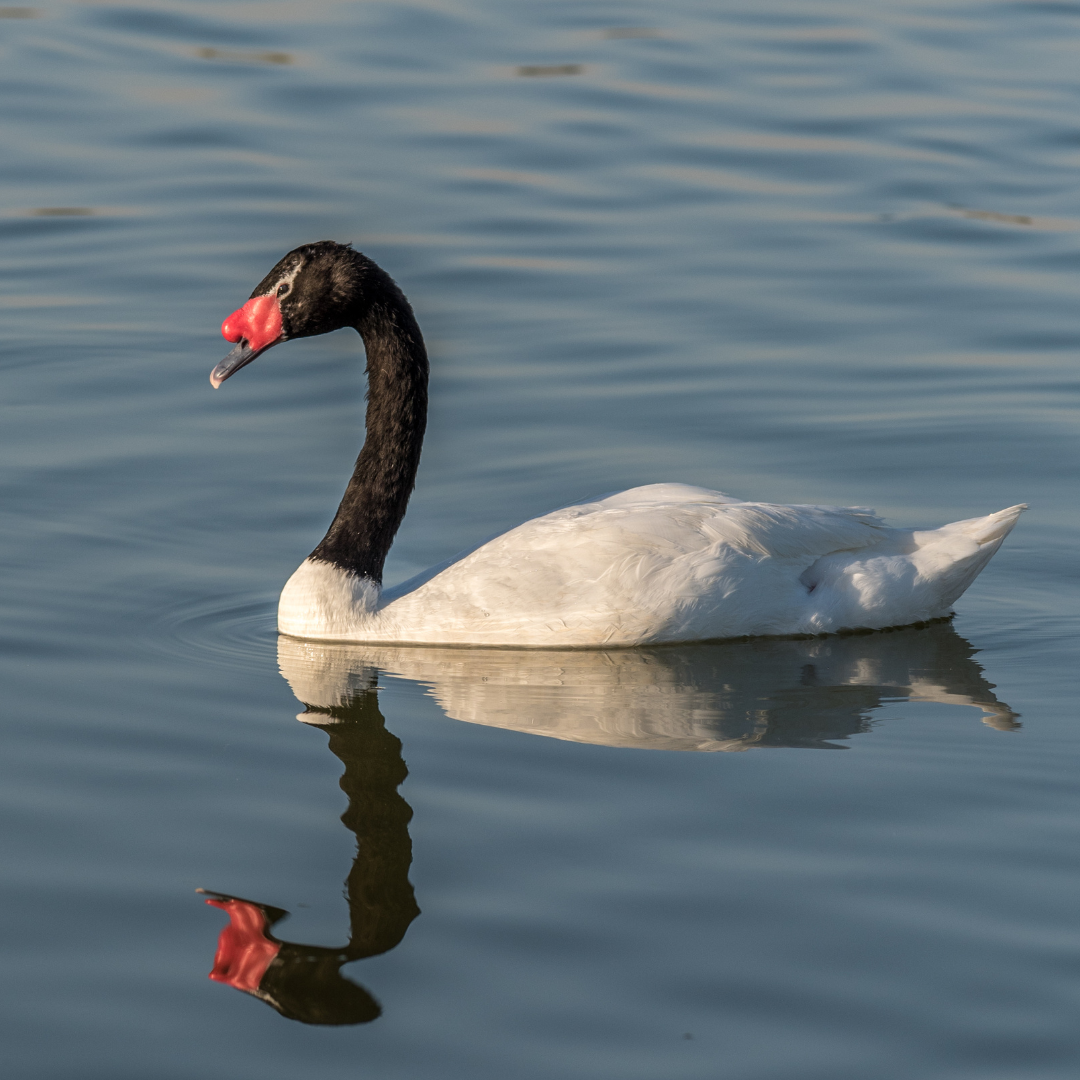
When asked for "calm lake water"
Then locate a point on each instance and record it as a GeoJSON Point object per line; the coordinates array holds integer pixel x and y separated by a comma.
{"type": "Point", "coordinates": [797, 250]}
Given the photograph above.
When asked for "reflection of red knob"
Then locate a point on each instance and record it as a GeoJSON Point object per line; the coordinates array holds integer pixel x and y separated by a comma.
{"type": "Point", "coordinates": [244, 951]}
{"type": "Point", "coordinates": [258, 323]}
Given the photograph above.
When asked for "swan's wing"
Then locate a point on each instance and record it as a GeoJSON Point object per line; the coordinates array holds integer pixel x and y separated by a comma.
{"type": "Point", "coordinates": [629, 568]}
{"type": "Point", "coordinates": [674, 563]}
{"type": "Point", "coordinates": [647, 528]}
{"type": "Point", "coordinates": [649, 497]}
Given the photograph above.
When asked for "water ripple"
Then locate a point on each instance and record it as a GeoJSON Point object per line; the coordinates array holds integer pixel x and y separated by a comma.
{"type": "Point", "coordinates": [229, 632]}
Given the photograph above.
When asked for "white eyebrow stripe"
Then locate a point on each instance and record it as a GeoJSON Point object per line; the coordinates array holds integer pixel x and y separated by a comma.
{"type": "Point", "coordinates": [289, 278]}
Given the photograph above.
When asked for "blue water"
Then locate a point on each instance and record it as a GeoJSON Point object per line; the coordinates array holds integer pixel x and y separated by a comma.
{"type": "Point", "coordinates": [797, 251]}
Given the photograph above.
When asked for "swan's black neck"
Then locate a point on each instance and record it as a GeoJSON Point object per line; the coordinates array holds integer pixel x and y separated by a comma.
{"type": "Point", "coordinates": [378, 493]}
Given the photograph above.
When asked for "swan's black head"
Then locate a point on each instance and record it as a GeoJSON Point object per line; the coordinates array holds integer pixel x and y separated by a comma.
{"type": "Point", "coordinates": [313, 290]}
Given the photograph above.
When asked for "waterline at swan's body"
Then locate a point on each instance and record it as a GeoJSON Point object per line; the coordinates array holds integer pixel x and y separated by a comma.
{"type": "Point", "coordinates": [663, 563]}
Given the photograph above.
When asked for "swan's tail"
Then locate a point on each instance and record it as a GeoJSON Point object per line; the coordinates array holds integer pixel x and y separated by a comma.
{"type": "Point", "coordinates": [949, 559]}
{"type": "Point", "coordinates": [985, 530]}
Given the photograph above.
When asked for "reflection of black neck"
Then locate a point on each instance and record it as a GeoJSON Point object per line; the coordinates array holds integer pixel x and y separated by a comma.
{"type": "Point", "coordinates": [375, 500]}
{"type": "Point", "coordinates": [381, 901]}
{"type": "Point", "coordinates": [304, 982]}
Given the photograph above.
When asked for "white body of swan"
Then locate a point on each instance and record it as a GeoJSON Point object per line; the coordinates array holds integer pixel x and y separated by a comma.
{"type": "Point", "coordinates": [662, 563]}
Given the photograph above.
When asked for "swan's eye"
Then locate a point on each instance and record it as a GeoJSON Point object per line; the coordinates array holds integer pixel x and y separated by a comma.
{"type": "Point", "coordinates": [283, 290]}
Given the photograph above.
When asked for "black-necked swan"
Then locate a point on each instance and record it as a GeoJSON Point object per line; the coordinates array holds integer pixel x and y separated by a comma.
{"type": "Point", "coordinates": [660, 563]}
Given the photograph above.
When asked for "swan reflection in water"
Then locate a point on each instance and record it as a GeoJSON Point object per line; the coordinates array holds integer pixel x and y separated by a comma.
{"type": "Point", "coordinates": [725, 696]}
{"type": "Point", "coordinates": [731, 695]}
{"type": "Point", "coordinates": [304, 982]}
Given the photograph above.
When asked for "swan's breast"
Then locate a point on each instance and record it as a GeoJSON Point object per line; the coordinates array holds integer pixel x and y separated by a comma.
{"type": "Point", "coordinates": [323, 601]}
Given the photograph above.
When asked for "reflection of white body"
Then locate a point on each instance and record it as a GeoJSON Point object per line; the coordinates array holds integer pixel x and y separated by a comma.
{"type": "Point", "coordinates": [664, 563]}
{"type": "Point", "coordinates": [729, 696]}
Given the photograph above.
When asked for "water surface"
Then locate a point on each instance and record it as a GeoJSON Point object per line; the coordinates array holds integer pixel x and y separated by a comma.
{"type": "Point", "coordinates": [809, 252]}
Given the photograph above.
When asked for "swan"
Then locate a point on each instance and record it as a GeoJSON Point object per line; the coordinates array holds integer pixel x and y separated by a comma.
{"type": "Point", "coordinates": [655, 564]}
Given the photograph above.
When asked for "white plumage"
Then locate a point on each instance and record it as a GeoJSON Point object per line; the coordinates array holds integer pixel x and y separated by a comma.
{"type": "Point", "coordinates": [662, 563]}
